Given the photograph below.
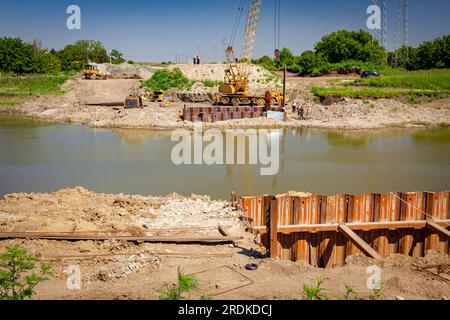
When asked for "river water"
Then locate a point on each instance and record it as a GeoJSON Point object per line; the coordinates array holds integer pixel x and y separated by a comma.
{"type": "Point", "coordinates": [37, 157]}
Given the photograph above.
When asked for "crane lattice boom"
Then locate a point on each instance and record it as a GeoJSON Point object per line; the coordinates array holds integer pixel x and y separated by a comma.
{"type": "Point", "coordinates": [251, 29]}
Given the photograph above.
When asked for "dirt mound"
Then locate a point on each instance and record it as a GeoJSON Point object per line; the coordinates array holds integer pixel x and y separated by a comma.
{"type": "Point", "coordinates": [127, 71]}
{"type": "Point", "coordinates": [80, 210]}
{"type": "Point", "coordinates": [260, 78]}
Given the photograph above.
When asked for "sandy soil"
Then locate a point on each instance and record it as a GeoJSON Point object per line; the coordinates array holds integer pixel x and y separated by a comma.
{"type": "Point", "coordinates": [345, 114]}
{"type": "Point", "coordinates": [118, 270]}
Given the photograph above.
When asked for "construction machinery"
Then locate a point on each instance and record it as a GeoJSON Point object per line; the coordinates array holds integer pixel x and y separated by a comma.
{"type": "Point", "coordinates": [236, 91]}
{"type": "Point", "coordinates": [157, 96]}
{"type": "Point", "coordinates": [91, 72]}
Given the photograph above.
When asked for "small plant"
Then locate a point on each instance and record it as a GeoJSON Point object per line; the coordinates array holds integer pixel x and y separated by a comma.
{"type": "Point", "coordinates": [186, 284]}
{"type": "Point", "coordinates": [315, 292]}
{"type": "Point", "coordinates": [377, 292]}
{"type": "Point", "coordinates": [17, 277]}
{"type": "Point", "coordinates": [207, 297]}
{"type": "Point", "coordinates": [351, 293]}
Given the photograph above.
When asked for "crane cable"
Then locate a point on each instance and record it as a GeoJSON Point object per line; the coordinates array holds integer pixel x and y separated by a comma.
{"type": "Point", "coordinates": [237, 22]}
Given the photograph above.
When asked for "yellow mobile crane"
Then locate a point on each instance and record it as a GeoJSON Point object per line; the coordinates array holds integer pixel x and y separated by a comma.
{"type": "Point", "coordinates": [235, 91]}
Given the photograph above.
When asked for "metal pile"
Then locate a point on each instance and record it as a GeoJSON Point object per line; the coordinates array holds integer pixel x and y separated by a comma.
{"type": "Point", "coordinates": [216, 113]}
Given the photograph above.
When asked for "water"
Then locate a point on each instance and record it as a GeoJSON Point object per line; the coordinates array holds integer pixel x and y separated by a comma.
{"type": "Point", "coordinates": [40, 158]}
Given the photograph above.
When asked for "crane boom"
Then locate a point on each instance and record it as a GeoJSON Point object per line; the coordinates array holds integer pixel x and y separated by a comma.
{"type": "Point", "coordinates": [251, 28]}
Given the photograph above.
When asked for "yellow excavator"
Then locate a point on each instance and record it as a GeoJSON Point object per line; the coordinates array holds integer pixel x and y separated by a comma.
{"type": "Point", "coordinates": [236, 91]}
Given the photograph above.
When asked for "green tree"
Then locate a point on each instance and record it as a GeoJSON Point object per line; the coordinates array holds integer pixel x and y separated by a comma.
{"type": "Point", "coordinates": [17, 277]}
{"type": "Point", "coordinates": [75, 56]}
{"type": "Point", "coordinates": [350, 45]}
{"type": "Point", "coordinates": [266, 62]}
{"type": "Point", "coordinates": [308, 63]}
{"type": "Point", "coordinates": [16, 56]}
{"type": "Point", "coordinates": [287, 59]}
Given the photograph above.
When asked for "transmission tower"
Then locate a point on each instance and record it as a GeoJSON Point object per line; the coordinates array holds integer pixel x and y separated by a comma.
{"type": "Point", "coordinates": [381, 34]}
{"type": "Point", "coordinates": [401, 34]}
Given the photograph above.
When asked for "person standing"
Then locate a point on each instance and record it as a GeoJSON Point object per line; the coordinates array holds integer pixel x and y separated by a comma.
{"type": "Point", "coordinates": [268, 100]}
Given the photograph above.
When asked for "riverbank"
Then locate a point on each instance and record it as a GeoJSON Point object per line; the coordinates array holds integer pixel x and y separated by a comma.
{"type": "Point", "coordinates": [344, 114]}
{"type": "Point", "coordinates": [125, 270]}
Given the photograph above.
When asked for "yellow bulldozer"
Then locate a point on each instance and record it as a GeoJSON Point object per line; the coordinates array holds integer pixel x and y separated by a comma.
{"type": "Point", "coordinates": [91, 72]}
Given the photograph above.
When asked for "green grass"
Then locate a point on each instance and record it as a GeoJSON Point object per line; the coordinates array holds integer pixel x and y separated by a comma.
{"type": "Point", "coordinates": [435, 80]}
{"type": "Point", "coordinates": [412, 85]}
{"type": "Point", "coordinates": [16, 89]}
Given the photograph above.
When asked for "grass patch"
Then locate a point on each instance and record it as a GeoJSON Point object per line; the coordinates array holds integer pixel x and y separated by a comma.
{"type": "Point", "coordinates": [165, 79]}
{"type": "Point", "coordinates": [411, 85]}
{"type": "Point", "coordinates": [434, 80]}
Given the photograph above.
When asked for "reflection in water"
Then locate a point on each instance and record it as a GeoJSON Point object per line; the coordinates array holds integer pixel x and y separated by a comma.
{"type": "Point", "coordinates": [138, 162]}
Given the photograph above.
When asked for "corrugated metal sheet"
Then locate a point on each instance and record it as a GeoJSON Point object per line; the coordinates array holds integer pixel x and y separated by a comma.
{"type": "Point", "coordinates": [329, 248]}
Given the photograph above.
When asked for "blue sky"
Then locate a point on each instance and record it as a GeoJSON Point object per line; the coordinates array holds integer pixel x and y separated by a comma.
{"type": "Point", "coordinates": [149, 30]}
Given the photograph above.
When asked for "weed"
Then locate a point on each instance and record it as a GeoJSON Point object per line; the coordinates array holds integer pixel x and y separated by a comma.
{"type": "Point", "coordinates": [377, 292]}
{"type": "Point", "coordinates": [315, 292]}
{"type": "Point", "coordinates": [207, 297]}
{"type": "Point", "coordinates": [186, 284]}
{"type": "Point", "coordinates": [350, 293]}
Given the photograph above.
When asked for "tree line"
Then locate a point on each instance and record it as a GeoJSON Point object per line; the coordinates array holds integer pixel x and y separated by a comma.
{"type": "Point", "coordinates": [352, 51]}
{"type": "Point", "coordinates": [19, 57]}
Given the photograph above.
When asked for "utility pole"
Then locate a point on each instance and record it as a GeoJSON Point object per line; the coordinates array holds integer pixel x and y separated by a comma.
{"type": "Point", "coordinates": [283, 105]}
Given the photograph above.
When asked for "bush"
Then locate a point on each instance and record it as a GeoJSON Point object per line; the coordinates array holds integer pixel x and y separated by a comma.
{"type": "Point", "coordinates": [346, 45]}
{"type": "Point", "coordinates": [17, 277]}
{"type": "Point", "coordinates": [165, 79]}
{"type": "Point", "coordinates": [267, 63]}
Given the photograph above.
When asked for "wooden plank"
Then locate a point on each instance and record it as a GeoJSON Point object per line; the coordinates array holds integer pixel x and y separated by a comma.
{"type": "Point", "coordinates": [86, 237]}
{"type": "Point", "coordinates": [273, 229]}
{"type": "Point", "coordinates": [130, 254]}
{"type": "Point", "coordinates": [391, 225]}
{"type": "Point", "coordinates": [360, 243]}
{"type": "Point", "coordinates": [437, 228]}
